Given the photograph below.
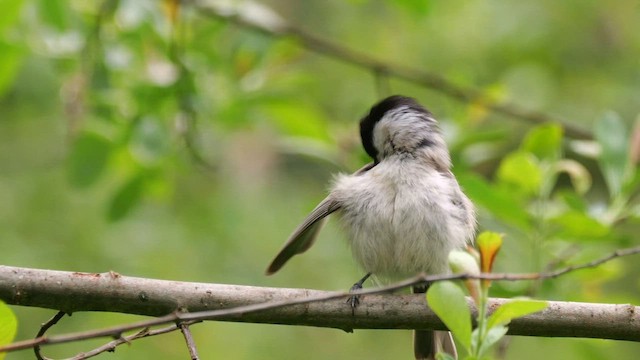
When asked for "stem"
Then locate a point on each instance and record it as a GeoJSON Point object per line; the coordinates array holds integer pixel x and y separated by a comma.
{"type": "Point", "coordinates": [482, 317]}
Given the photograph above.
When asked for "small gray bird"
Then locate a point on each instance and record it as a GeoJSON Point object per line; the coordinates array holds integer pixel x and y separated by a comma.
{"type": "Point", "coordinates": [403, 213]}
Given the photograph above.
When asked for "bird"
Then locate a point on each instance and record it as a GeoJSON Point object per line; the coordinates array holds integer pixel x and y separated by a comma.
{"type": "Point", "coordinates": [403, 212]}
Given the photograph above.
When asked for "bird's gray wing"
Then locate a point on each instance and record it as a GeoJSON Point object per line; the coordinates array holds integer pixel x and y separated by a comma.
{"type": "Point", "coordinates": [304, 235]}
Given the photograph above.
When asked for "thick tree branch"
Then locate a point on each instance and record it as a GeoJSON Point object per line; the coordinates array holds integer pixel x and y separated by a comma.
{"type": "Point", "coordinates": [262, 20]}
{"type": "Point", "coordinates": [73, 291]}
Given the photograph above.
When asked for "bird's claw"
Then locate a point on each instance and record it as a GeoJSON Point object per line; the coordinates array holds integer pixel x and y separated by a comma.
{"type": "Point", "coordinates": [354, 300]}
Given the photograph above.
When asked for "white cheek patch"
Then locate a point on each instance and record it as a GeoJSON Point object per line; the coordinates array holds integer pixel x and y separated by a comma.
{"type": "Point", "coordinates": [381, 134]}
{"type": "Point", "coordinates": [398, 129]}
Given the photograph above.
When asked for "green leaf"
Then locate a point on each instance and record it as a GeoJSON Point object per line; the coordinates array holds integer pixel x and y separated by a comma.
{"type": "Point", "coordinates": [573, 200]}
{"type": "Point", "coordinates": [492, 336]}
{"type": "Point", "coordinates": [417, 7]}
{"type": "Point", "coordinates": [444, 356]}
{"type": "Point", "coordinates": [611, 133]}
{"type": "Point", "coordinates": [544, 141]}
{"type": "Point", "coordinates": [447, 300]}
{"type": "Point", "coordinates": [88, 159]}
{"type": "Point", "coordinates": [501, 203]}
{"type": "Point", "coordinates": [54, 13]}
{"type": "Point", "coordinates": [632, 182]}
{"type": "Point", "coordinates": [126, 198]}
{"type": "Point", "coordinates": [521, 170]}
{"type": "Point", "coordinates": [10, 62]}
{"type": "Point", "coordinates": [8, 326]}
{"type": "Point", "coordinates": [10, 13]}
{"type": "Point", "coordinates": [579, 225]}
{"type": "Point", "coordinates": [514, 309]}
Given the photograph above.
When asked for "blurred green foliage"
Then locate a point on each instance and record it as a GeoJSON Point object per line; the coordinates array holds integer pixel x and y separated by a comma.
{"type": "Point", "coordinates": [8, 326]}
{"type": "Point", "coordinates": [189, 149]}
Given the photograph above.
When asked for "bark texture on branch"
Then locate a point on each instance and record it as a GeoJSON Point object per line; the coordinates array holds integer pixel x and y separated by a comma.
{"type": "Point", "coordinates": [74, 291]}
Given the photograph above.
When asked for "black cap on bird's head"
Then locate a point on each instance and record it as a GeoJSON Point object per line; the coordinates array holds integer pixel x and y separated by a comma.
{"type": "Point", "coordinates": [378, 111]}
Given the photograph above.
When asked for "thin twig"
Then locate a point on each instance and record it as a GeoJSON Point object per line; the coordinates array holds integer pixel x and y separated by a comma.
{"type": "Point", "coordinates": [184, 90]}
{"type": "Point", "coordinates": [191, 344]}
{"type": "Point", "coordinates": [279, 28]}
{"type": "Point", "coordinates": [616, 254]}
{"type": "Point", "coordinates": [111, 346]}
{"type": "Point", "coordinates": [43, 329]}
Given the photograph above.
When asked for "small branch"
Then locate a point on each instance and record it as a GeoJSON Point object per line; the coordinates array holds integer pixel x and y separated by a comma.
{"type": "Point", "coordinates": [111, 346]}
{"type": "Point", "coordinates": [113, 292]}
{"type": "Point", "coordinates": [269, 24]}
{"type": "Point", "coordinates": [191, 345]}
{"type": "Point", "coordinates": [73, 291]}
{"type": "Point", "coordinates": [43, 329]}
{"type": "Point", "coordinates": [592, 264]}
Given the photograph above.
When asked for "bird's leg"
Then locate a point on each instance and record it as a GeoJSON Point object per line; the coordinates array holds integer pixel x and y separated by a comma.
{"type": "Point", "coordinates": [354, 300]}
{"type": "Point", "coordinates": [421, 288]}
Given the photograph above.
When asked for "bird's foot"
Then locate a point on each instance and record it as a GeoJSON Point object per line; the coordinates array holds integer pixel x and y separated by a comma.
{"type": "Point", "coordinates": [354, 300]}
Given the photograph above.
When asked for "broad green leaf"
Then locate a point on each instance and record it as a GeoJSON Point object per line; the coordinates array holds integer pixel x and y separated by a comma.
{"type": "Point", "coordinates": [492, 336]}
{"type": "Point", "coordinates": [501, 203]}
{"type": "Point", "coordinates": [573, 200]}
{"type": "Point", "coordinates": [544, 141]}
{"type": "Point", "coordinates": [88, 159]}
{"type": "Point", "coordinates": [10, 62]}
{"type": "Point", "coordinates": [126, 198]}
{"type": "Point", "coordinates": [633, 181]}
{"type": "Point", "coordinates": [514, 309]}
{"type": "Point", "coordinates": [611, 132]}
{"type": "Point", "coordinates": [417, 7]}
{"type": "Point", "coordinates": [447, 300]}
{"type": "Point", "coordinates": [579, 225]}
{"type": "Point", "coordinates": [521, 170]}
{"type": "Point", "coordinates": [54, 13]}
{"type": "Point", "coordinates": [8, 326]}
{"type": "Point", "coordinates": [10, 13]}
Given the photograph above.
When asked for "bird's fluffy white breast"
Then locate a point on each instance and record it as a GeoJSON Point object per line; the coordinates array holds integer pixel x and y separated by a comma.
{"type": "Point", "coordinates": [400, 218]}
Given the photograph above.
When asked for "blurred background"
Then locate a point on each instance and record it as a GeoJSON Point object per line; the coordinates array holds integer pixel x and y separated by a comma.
{"type": "Point", "coordinates": [158, 139]}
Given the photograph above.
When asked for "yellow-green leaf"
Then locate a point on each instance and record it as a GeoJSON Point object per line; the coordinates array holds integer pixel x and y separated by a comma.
{"type": "Point", "coordinates": [612, 135]}
{"type": "Point", "coordinates": [447, 300]}
{"type": "Point", "coordinates": [579, 226]}
{"type": "Point", "coordinates": [544, 141]}
{"type": "Point", "coordinates": [520, 169]}
{"type": "Point", "coordinates": [8, 326]}
{"type": "Point", "coordinates": [514, 309]}
{"type": "Point", "coordinates": [498, 201]}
